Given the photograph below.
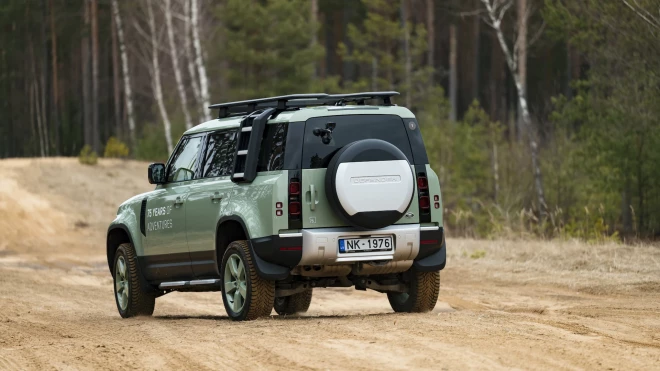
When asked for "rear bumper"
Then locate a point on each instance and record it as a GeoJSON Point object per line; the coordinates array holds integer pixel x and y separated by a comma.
{"type": "Point", "coordinates": [276, 255]}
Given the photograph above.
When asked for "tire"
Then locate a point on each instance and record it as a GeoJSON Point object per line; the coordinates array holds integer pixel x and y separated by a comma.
{"type": "Point", "coordinates": [130, 298]}
{"type": "Point", "coordinates": [296, 303]}
{"type": "Point", "coordinates": [257, 295]}
{"type": "Point", "coordinates": [423, 290]}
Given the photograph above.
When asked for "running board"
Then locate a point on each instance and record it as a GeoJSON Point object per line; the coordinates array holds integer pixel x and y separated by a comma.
{"type": "Point", "coordinates": [188, 284]}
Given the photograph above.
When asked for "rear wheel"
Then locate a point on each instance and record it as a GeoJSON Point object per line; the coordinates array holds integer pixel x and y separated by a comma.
{"type": "Point", "coordinates": [296, 303]}
{"type": "Point", "coordinates": [130, 298]}
{"type": "Point", "coordinates": [423, 290]}
{"type": "Point", "coordinates": [246, 295]}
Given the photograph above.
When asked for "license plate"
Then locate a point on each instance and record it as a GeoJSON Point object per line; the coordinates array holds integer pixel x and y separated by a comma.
{"type": "Point", "coordinates": [381, 243]}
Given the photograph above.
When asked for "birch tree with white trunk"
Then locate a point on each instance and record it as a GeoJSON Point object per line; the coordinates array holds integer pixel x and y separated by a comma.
{"type": "Point", "coordinates": [190, 56]}
{"type": "Point", "coordinates": [495, 12]}
{"type": "Point", "coordinates": [167, 8]}
{"type": "Point", "coordinates": [199, 61]}
{"type": "Point", "coordinates": [155, 78]}
{"type": "Point", "coordinates": [128, 93]}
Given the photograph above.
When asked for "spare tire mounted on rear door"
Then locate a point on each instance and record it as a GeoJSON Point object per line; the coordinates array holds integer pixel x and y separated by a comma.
{"type": "Point", "coordinates": [369, 183]}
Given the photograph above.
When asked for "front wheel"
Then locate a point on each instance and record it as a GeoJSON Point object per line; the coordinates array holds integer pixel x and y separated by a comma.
{"type": "Point", "coordinates": [130, 298]}
{"type": "Point", "coordinates": [423, 290]}
{"type": "Point", "coordinates": [246, 295]}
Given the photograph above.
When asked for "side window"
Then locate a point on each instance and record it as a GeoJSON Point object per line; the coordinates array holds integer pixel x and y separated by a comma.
{"type": "Point", "coordinates": [271, 156]}
{"type": "Point", "coordinates": [219, 155]}
{"type": "Point", "coordinates": [184, 161]}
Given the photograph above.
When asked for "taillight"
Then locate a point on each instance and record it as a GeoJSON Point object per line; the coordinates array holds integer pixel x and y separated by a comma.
{"type": "Point", "coordinates": [424, 202]}
{"type": "Point", "coordinates": [423, 194]}
{"type": "Point", "coordinates": [295, 208]}
{"type": "Point", "coordinates": [294, 187]}
{"type": "Point", "coordinates": [422, 182]}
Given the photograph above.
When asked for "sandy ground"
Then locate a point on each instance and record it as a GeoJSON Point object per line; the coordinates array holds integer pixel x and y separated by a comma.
{"type": "Point", "coordinates": [502, 305]}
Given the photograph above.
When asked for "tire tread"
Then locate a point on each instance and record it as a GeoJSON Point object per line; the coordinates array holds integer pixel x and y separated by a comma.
{"type": "Point", "coordinates": [140, 303]}
{"type": "Point", "coordinates": [296, 303]}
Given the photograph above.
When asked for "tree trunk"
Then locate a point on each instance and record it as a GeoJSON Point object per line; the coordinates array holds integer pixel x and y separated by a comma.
{"type": "Point", "coordinates": [95, 77]}
{"type": "Point", "coordinates": [199, 62]}
{"type": "Point", "coordinates": [430, 29]}
{"type": "Point", "coordinates": [56, 86]}
{"type": "Point", "coordinates": [521, 44]}
{"type": "Point", "coordinates": [155, 79]}
{"type": "Point", "coordinates": [44, 81]}
{"type": "Point", "coordinates": [190, 56]}
{"type": "Point", "coordinates": [374, 74]}
{"type": "Point", "coordinates": [522, 101]}
{"type": "Point", "coordinates": [175, 64]}
{"type": "Point", "coordinates": [453, 73]}
{"type": "Point", "coordinates": [406, 51]}
{"type": "Point", "coordinates": [495, 164]}
{"type": "Point", "coordinates": [86, 79]}
{"type": "Point", "coordinates": [128, 93]}
{"type": "Point", "coordinates": [476, 53]}
{"type": "Point", "coordinates": [314, 15]}
{"type": "Point", "coordinates": [115, 79]}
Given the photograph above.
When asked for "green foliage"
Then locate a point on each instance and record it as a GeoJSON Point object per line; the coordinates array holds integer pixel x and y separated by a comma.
{"type": "Point", "coordinates": [478, 254]}
{"type": "Point", "coordinates": [376, 47]}
{"type": "Point", "coordinates": [151, 146]}
{"type": "Point", "coordinates": [115, 149]}
{"type": "Point", "coordinates": [87, 156]}
{"type": "Point", "coordinates": [268, 47]}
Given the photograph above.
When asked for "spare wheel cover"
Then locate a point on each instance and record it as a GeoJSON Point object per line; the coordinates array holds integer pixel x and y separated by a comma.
{"type": "Point", "coordinates": [370, 184]}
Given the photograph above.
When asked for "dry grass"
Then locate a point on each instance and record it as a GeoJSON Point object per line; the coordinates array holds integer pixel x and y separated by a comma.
{"type": "Point", "coordinates": [596, 268]}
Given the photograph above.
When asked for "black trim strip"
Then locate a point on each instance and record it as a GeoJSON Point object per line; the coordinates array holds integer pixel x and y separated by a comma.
{"type": "Point", "coordinates": [203, 264]}
{"type": "Point", "coordinates": [294, 140]}
{"type": "Point", "coordinates": [416, 142]}
{"type": "Point", "coordinates": [143, 211]}
{"type": "Point", "coordinates": [166, 267]}
{"type": "Point", "coordinates": [420, 170]}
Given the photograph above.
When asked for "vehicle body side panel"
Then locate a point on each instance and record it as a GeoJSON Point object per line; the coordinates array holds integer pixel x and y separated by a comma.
{"type": "Point", "coordinates": [255, 203]}
{"type": "Point", "coordinates": [206, 205]}
{"type": "Point", "coordinates": [128, 216]}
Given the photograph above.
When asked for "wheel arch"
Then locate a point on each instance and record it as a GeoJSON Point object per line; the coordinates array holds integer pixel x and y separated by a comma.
{"type": "Point", "coordinates": [228, 230]}
{"type": "Point", "coordinates": [117, 235]}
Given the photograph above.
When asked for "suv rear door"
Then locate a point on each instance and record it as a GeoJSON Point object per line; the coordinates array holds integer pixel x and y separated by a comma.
{"type": "Point", "coordinates": [208, 199]}
{"type": "Point", "coordinates": [317, 212]}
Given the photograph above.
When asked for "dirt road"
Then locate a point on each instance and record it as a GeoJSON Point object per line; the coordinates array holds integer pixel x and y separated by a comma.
{"type": "Point", "coordinates": [503, 304]}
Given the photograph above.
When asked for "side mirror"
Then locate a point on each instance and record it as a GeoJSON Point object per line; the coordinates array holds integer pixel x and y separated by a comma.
{"type": "Point", "coordinates": [156, 173]}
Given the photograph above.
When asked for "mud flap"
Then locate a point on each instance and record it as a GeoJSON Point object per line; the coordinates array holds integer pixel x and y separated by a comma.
{"type": "Point", "coordinates": [266, 270]}
{"type": "Point", "coordinates": [434, 262]}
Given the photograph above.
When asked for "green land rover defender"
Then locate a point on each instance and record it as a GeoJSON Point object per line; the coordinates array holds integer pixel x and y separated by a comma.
{"type": "Point", "coordinates": [281, 195]}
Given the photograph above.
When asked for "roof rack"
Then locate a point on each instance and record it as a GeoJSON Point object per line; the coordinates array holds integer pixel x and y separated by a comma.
{"type": "Point", "coordinates": [283, 102]}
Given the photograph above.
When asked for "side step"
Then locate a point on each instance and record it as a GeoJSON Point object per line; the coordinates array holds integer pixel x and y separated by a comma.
{"type": "Point", "coordinates": [202, 285]}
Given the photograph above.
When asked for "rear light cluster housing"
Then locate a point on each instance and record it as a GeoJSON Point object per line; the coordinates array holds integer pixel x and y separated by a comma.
{"type": "Point", "coordinates": [295, 207]}
{"type": "Point", "coordinates": [423, 194]}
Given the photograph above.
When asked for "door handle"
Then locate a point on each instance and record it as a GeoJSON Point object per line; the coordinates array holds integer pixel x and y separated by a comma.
{"type": "Point", "coordinates": [178, 202]}
{"type": "Point", "coordinates": [312, 191]}
{"type": "Point", "coordinates": [216, 197]}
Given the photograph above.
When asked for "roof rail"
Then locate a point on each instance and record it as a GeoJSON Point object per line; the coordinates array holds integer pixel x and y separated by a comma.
{"type": "Point", "coordinates": [298, 101]}
{"type": "Point", "coordinates": [359, 98]}
{"type": "Point", "coordinates": [249, 106]}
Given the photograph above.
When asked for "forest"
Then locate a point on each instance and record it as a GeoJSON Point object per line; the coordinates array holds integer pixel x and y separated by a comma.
{"type": "Point", "coordinates": [541, 117]}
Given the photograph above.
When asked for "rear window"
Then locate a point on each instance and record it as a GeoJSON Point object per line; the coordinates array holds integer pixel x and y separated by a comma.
{"type": "Point", "coordinates": [348, 129]}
